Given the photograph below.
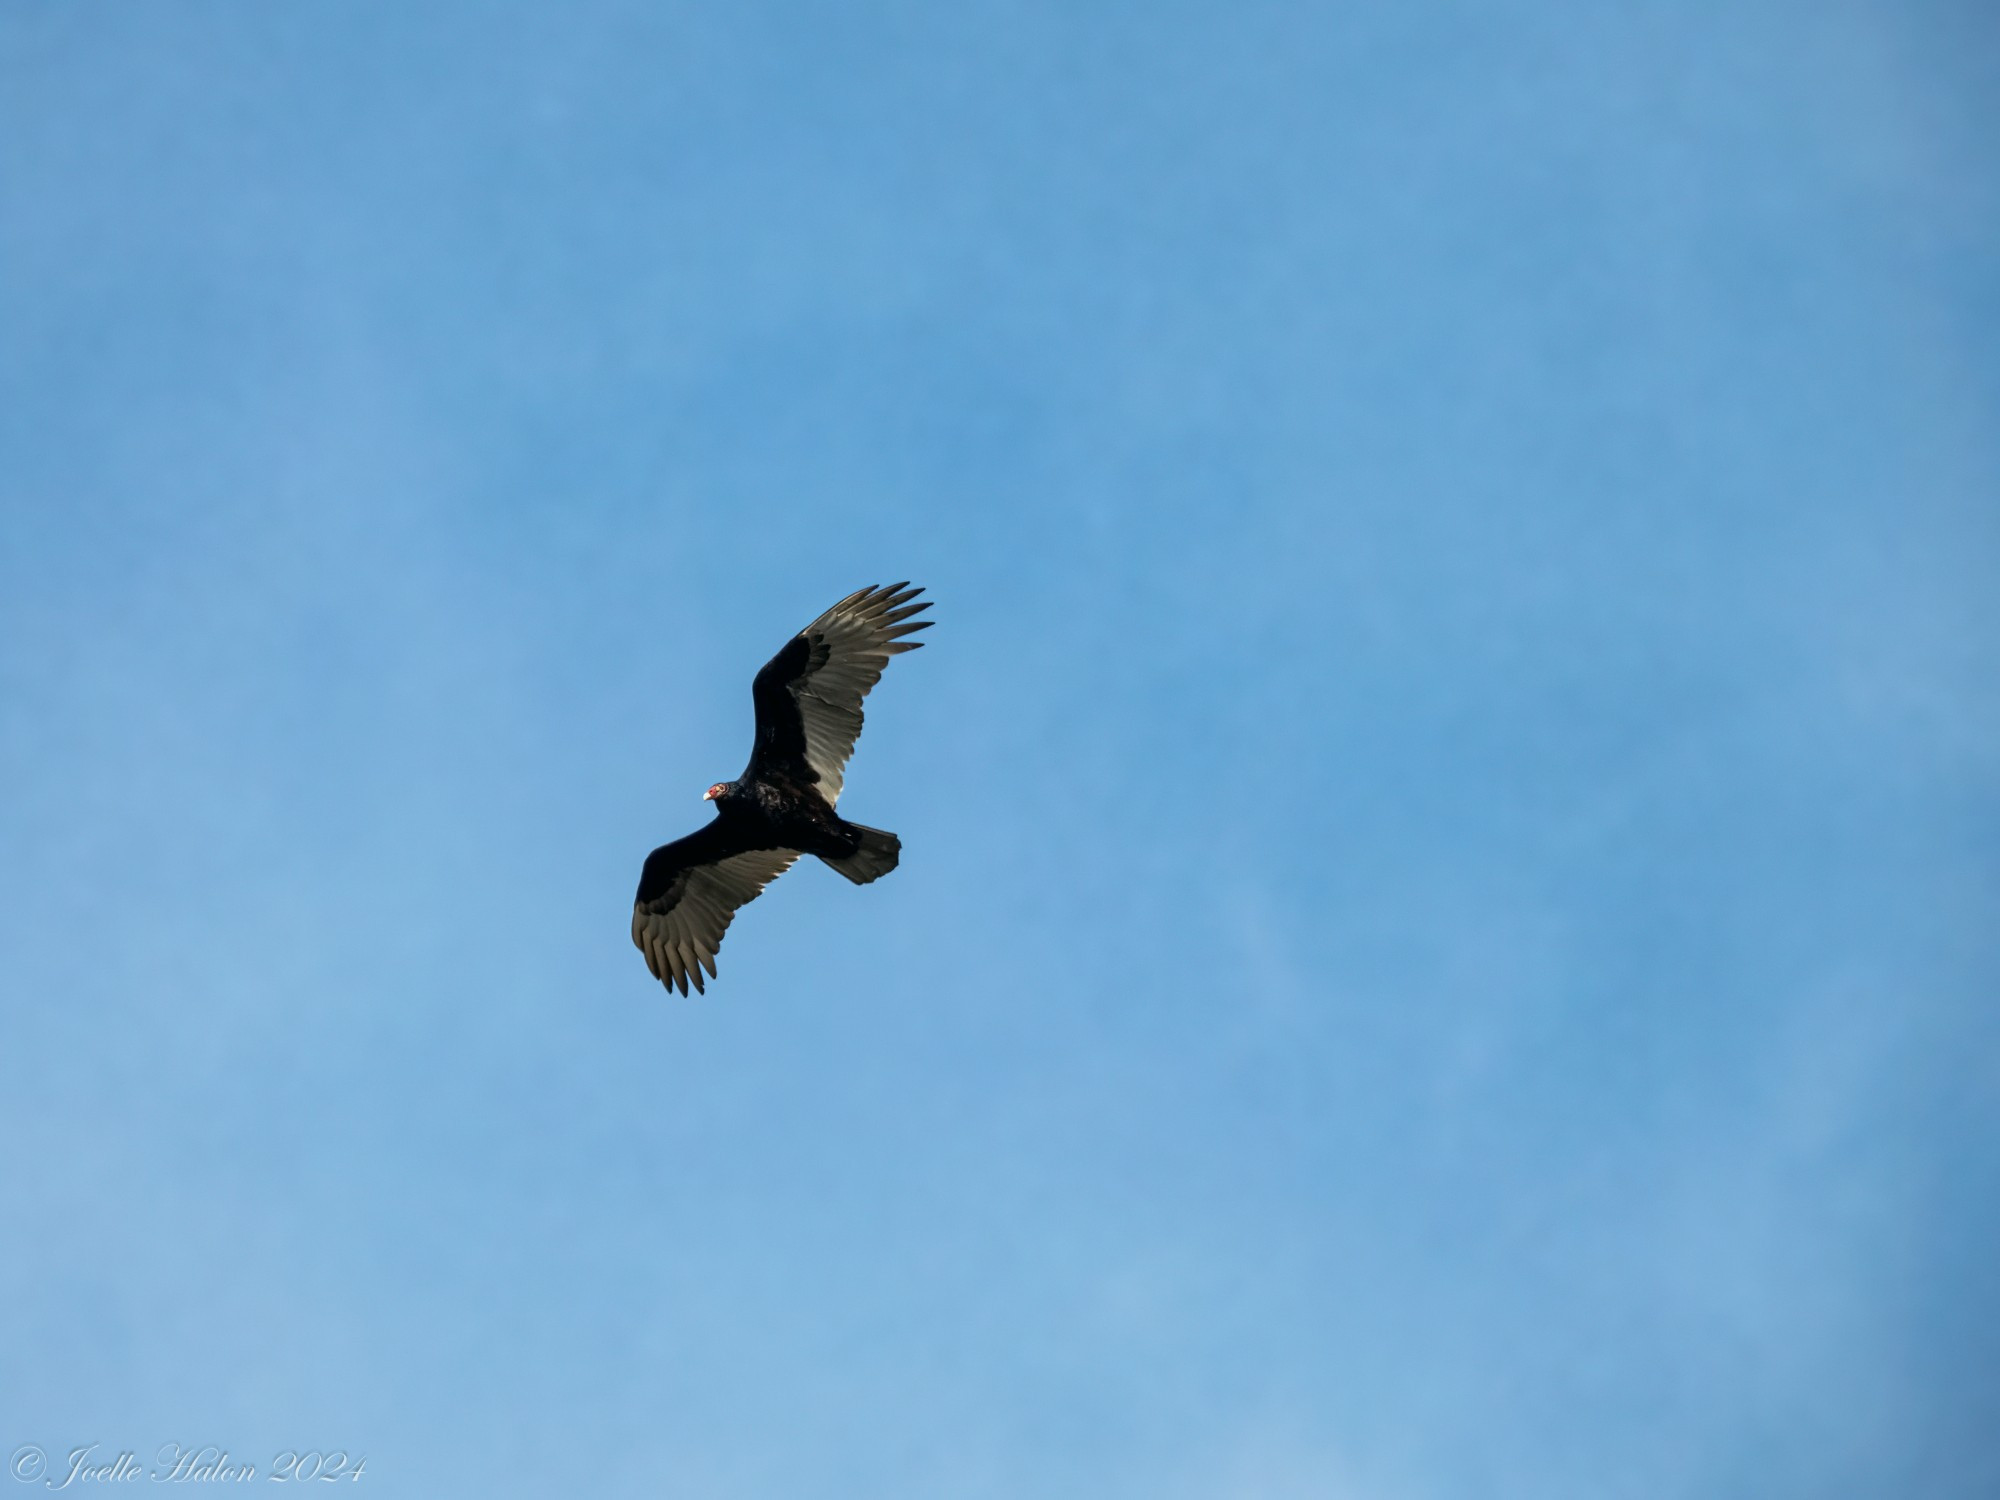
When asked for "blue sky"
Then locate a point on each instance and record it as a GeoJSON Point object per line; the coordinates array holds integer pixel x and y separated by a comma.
{"type": "Point", "coordinates": [1446, 943]}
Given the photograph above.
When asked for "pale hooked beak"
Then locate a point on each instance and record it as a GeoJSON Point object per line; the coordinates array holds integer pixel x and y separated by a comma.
{"type": "Point", "coordinates": [708, 795]}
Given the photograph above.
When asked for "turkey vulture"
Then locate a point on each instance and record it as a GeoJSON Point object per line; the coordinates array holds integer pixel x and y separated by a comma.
{"type": "Point", "coordinates": [808, 701]}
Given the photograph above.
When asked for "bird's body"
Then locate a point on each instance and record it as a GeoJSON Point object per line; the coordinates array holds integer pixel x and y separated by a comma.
{"type": "Point", "coordinates": [808, 703]}
{"type": "Point", "coordinates": [778, 812]}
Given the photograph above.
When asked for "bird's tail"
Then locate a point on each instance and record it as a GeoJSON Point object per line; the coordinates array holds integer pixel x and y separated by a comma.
{"type": "Point", "coordinates": [875, 858]}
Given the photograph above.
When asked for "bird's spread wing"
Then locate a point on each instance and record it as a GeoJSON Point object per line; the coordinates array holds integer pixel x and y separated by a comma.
{"type": "Point", "coordinates": [688, 895]}
{"type": "Point", "coordinates": [808, 696]}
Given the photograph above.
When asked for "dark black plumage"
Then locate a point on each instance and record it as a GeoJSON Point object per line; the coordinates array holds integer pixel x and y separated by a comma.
{"type": "Point", "coordinates": [808, 703]}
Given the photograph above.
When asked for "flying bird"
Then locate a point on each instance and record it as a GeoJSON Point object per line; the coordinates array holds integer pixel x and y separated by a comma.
{"type": "Point", "coordinates": [808, 702]}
